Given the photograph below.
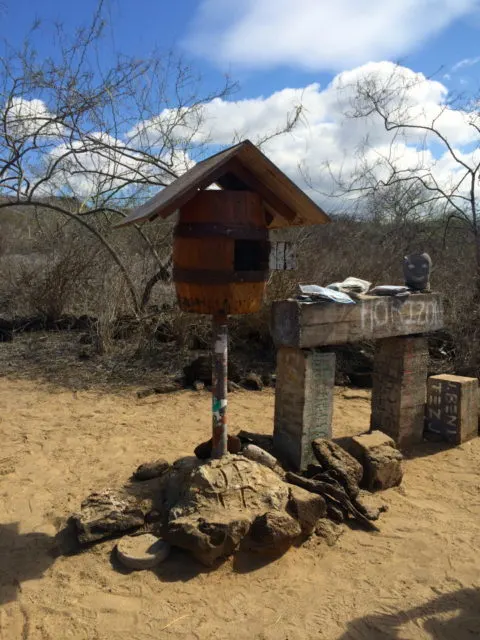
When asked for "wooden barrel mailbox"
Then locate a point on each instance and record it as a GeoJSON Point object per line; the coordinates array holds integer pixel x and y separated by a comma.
{"type": "Point", "coordinates": [220, 253]}
{"type": "Point", "coordinates": [221, 246]}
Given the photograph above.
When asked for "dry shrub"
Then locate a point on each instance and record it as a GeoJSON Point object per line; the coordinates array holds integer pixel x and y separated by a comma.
{"type": "Point", "coordinates": [58, 268]}
{"type": "Point", "coordinates": [114, 302]}
{"type": "Point", "coordinates": [52, 288]}
{"type": "Point", "coordinates": [51, 279]}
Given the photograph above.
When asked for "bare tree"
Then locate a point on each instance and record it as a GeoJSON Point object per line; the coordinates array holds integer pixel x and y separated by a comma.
{"type": "Point", "coordinates": [89, 142]}
{"type": "Point", "coordinates": [412, 188]}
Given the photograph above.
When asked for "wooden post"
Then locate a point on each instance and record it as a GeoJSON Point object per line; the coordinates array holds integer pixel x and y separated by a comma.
{"type": "Point", "coordinates": [219, 385]}
{"type": "Point", "coordinates": [399, 388]}
{"type": "Point", "coordinates": [303, 403]}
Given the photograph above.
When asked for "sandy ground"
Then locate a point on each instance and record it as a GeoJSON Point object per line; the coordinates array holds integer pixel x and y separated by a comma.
{"type": "Point", "coordinates": [417, 579]}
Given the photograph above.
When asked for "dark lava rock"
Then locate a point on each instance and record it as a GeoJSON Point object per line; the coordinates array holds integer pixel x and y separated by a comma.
{"type": "Point", "coordinates": [200, 370]}
{"type": "Point", "coordinates": [335, 513]}
{"type": "Point", "coordinates": [208, 538]}
{"type": "Point", "coordinates": [149, 470]}
{"type": "Point", "coordinates": [113, 512]}
{"type": "Point", "coordinates": [345, 468]}
{"type": "Point", "coordinates": [258, 439]}
{"type": "Point", "coordinates": [106, 515]}
{"type": "Point", "coordinates": [269, 379]}
{"type": "Point", "coordinates": [6, 330]}
{"type": "Point", "coordinates": [253, 382]}
{"type": "Point", "coordinates": [204, 450]}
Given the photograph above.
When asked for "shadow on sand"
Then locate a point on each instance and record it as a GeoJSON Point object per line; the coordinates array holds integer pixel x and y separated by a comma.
{"type": "Point", "coordinates": [451, 616]}
{"type": "Point", "coordinates": [180, 566]}
{"type": "Point", "coordinates": [25, 556]}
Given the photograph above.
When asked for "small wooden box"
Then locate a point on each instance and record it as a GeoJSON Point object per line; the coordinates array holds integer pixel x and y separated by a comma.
{"type": "Point", "coordinates": [452, 408]}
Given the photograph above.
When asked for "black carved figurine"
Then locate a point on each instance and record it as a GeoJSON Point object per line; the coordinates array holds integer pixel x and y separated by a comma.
{"type": "Point", "coordinates": [416, 269]}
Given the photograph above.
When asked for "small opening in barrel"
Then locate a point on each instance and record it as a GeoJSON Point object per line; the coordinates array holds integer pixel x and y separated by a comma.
{"type": "Point", "coordinates": [251, 255]}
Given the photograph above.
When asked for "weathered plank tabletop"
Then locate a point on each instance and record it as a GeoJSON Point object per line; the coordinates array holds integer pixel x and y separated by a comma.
{"type": "Point", "coordinates": [300, 324]}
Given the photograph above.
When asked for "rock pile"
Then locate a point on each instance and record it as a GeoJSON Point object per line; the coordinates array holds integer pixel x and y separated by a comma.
{"type": "Point", "coordinates": [336, 478]}
{"type": "Point", "coordinates": [220, 502]}
{"type": "Point", "coordinates": [245, 500]}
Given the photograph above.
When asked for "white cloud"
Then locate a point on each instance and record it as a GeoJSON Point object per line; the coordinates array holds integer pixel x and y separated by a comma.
{"type": "Point", "coordinates": [317, 34]}
{"type": "Point", "coordinates": [466, 62]}
{"type": "Point", "coordinates": [100, 164]}
{"type": "Point", "coordinates": [78, 163]}
{"type": "Point", "coordinates": [86, 167]}
{"type": "Point", "coordinates": [222, 121]}
{"type": "Point", "coordinates": [28, 118]}
{"type": "Point", "coordinates": [324, 134]}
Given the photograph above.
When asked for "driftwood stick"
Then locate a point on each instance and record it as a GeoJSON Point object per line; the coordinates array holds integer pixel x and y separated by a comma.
{"type": "Point", "coordinates": [336, 495]}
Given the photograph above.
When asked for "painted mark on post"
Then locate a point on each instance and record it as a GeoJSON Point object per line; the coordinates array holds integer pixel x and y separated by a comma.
{"type": "Point", "coordinates": [219, 387]}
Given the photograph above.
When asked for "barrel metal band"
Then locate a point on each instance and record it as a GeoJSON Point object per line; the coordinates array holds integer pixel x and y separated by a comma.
{"type": "Point", "coordinates": [215, 230]}
{"type": "Point", "coordinates": [209, 276]}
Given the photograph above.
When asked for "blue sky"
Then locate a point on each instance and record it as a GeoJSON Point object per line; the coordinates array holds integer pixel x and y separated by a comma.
{"type": "Point", "coordinates": [138, 27]}
{"type": "Point", "coordinates": [282, 52]}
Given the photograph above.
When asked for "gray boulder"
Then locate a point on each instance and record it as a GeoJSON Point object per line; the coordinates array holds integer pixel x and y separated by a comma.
{"type": "Point", "coordinates": [257, 454]}
{"type": "Point", "coordinates": [217, 503]}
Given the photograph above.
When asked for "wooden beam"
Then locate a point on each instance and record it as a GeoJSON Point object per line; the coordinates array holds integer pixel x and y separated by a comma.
{"type": "Point", "coordinates": [183, 189]}
{"type": "Point", "coordinates": [230, 182]}
{"type": "Point", "coordinates": [254, 184]}
{"type": "Point", "coordinates": [249, 168]}
{"type": "Point", "coordinates": [307, 325]}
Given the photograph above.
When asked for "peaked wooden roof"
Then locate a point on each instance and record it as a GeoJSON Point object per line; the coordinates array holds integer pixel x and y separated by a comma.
{"type": "Point", "coordinates": [242, 166]}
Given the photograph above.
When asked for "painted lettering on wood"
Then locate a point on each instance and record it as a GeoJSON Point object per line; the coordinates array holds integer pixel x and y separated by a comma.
{"type": "Point", "coordinates": [407, 312]}
{"type": "Point", "coordinates": [308, 325]}
{"type": "Point", "coordinates": [442, 409]}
